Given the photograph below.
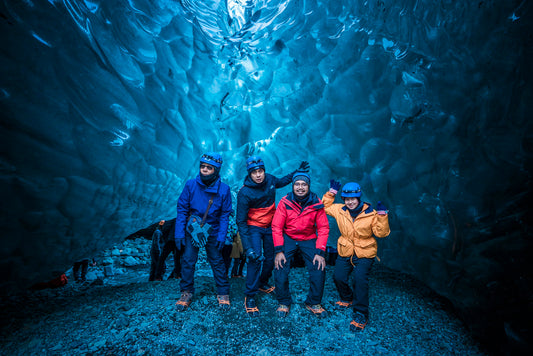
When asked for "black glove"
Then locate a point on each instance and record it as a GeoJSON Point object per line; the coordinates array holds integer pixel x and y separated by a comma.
{"type": "Point", "coordinates": [334, 186]}
{"type": "Point", "coordinates": [180, 244]}
{"type": "Point", "coordinates": [381, 207]}
{"type": "Point", "coordinates": [252, 256]}
{"type": "Point", "coordinates": [304, 167]}
{"type": "Point", "coordinates": [220, 245]}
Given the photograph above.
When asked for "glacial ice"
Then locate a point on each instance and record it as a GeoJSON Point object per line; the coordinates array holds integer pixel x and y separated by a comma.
{"type": "Point", "coordinates": [107, 106]}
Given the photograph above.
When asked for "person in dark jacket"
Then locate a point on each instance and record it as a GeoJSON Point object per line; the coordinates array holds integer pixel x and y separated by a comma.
{"type": "Point", "coordinates": [228, 247]}
{"type": "Point", "coordinates": [255, 210]}
{"type": "Point", "coordinates": [205, 193]}
{"type": "Point", "coordinates": [80, 269]}
{"type": "Point", "coordinates": [158, 241]}
{"type": "Point", "coordinates": [168, 230]}
{"type": "Point", "coordinates": [300, 223]}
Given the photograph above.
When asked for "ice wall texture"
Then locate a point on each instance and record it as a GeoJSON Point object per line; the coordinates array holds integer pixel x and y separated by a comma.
{"type": "Point", "coordinates": [107, 105]}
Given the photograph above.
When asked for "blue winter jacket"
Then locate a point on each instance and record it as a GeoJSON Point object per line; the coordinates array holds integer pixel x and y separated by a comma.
{"type": "Point", "coordinates": [194, 200]}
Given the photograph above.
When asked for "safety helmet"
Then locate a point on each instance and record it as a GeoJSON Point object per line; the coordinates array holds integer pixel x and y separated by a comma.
{"type": "Point", "coordinates": [253, 163]}
{"type": "Point", "coordinates": [212, 158]}
{"type": "Point", "coordinates": [351, 190]}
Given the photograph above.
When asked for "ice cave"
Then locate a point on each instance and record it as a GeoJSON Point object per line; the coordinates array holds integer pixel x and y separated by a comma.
{"type": "Point", "coordinates": [106, 107]}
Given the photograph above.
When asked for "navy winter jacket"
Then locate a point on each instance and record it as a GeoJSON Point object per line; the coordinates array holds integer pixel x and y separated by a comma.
{"type": "Point", "coordinates": [256, 203]}
{"type": "Point", "coordinates": [194, 200]}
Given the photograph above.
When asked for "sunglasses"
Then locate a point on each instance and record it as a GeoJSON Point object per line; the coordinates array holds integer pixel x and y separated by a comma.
{"type": "Point", "coordinates": [257, 162]}
{"type": "Point", "coordinates": [351, 191]}
{"type": "Point", "coordinates": [211, 158]}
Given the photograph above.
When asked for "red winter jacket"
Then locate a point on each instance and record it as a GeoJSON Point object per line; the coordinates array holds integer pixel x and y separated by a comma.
{"type": "Point", "coordinates": [308, 223]}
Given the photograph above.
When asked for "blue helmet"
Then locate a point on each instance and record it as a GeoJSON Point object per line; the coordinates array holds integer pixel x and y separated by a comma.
{"type": "Point", "coordinates": [351, 190]}
{"type": "Point", "coordinates": [212, 158]}
{"type": "Point", "coordinates": [253, 163]}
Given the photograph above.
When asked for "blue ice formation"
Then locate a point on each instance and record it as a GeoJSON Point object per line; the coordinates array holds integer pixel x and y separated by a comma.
{"type": "Point", "coordinates": [107, 105]}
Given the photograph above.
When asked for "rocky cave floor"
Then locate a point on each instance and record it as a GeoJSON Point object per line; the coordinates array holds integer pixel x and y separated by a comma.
{"type": "Point", "coordinates": [127, 315]}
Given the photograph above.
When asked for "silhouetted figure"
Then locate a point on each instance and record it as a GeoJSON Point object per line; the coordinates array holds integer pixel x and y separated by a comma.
{"type": "Point", "coordinates": [79, 270]}
{"type": "Point", "coordinates": [238, 257]}
{"type": "Point", "coordinates": [163, 243]}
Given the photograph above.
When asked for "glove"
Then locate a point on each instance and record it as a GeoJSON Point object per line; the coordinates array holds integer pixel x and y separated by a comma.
{"type": "Point", "coordinates": [334, 186]}
{"type": "Point", "coordinates": [180, 244]}
{"type": "Point", "coordinates": [252, 256]}
{"type": "Point", "coordinates": [381, 208]}
{"type": "Point", "coordinates": [220, 245]}
{"type": "Point", "coordinates": [304, 167]}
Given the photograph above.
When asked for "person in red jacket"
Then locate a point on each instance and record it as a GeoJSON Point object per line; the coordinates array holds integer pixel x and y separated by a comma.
{"type": "Point", "coordinates": [300, 223]}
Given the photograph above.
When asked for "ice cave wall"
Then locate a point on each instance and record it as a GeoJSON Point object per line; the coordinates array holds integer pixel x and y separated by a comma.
{"type": "Point", "coordinates": [107, 105]}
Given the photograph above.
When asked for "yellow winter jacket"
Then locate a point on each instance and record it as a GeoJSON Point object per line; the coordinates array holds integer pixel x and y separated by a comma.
{"type": "Point", "coordinates": [357, 236]}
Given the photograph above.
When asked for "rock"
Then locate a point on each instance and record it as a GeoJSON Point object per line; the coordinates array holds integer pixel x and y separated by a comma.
{"type": "Point", "coordinates": [90, 276]}
{"type": "Point", "coordinates": [108, 271]}
{"type": "Point", "coordinates": [107, 261]}
{"type": "Point", "coordinates": [130, 261]}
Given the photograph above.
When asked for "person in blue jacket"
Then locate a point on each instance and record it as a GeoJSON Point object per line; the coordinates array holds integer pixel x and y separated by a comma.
{"type": "Point", "coordinates": [255, 210]}
{"type": "Point", "coordinates": [194, 200]}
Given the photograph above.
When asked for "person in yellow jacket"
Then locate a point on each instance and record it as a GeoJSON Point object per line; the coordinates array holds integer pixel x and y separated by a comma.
{"type": "Point", "coordinates": [358, 223]}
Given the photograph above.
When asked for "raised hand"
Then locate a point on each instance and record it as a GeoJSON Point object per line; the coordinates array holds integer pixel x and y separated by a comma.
{"type": "Point", "coordinates": [334, 186]}
{"type": "Point", "coordinates": [304, 167]}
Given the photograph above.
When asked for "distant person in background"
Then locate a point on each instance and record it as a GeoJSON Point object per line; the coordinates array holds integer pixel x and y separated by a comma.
{"type": "Point", "coordinates": [158, 241]}
{"type": "Point", "coordinates": [255, 210]}
{"type": "Point", "coordinates": [357, 247]}
{"type": "Point", "coordinates": [207, 199]}
{"type": "Point", "coordinates": [168, 229]}
{"type": "Point", "coordinates": [300, 223]}
{"type": "Point", "coordinates": [80, 268]}
{"type": "Point", "coordinates": [238, 257]}
{"type": "Point", "coordinates": [228, 246]}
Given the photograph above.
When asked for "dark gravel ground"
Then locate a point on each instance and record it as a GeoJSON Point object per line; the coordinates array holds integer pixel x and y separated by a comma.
{"type": "Point", "coordinates": [129, 316]}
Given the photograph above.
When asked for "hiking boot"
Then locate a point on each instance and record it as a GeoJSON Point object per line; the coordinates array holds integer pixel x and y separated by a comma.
{"type": "Point", "coordinates": [251, 307]}
{"type": "Point", "coordinates": [282, 311]}
{"type": "Point", "coordinates": [223, 302]}
{"type": "Point", "coordinates": [265, 288]}
{"type": "Point", "coordinates": [317, 310]}
{"type": "Point", "coordinates": [340, 305]}
{"type": "Point", "coordinates": [358, 323]}
{"type": "Point", "coordinates": [185, 300]}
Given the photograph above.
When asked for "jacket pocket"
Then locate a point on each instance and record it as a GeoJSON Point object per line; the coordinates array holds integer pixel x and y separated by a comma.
{"type": "Point", "coordinates": [366, 248]}
{"type": "Point", "coordinates": [345, 247]}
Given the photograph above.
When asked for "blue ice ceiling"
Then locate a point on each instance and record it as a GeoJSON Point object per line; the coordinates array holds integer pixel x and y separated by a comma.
{"type": "Point", "coordinates": [106, 107]}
